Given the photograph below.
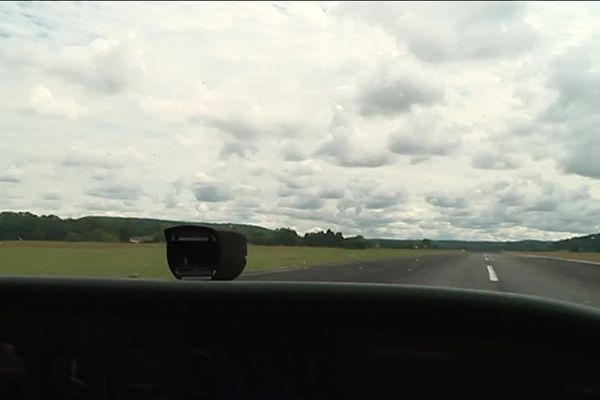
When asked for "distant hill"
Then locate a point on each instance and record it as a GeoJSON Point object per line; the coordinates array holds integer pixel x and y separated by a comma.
{"type": "Point", "coordinates": [579, 244]}
{"type": "Point", "coordinates": [28, 226]}
{"type": "Point", "coordinates": [589, 243]}
{"type": "Point", "coordinates": [490, 246]}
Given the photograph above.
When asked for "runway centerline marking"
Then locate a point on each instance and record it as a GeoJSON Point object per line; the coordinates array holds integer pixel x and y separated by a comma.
{"type": "Point", "coordinates": [492, 273]}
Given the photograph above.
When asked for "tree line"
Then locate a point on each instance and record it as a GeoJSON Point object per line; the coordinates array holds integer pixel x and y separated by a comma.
{"type": "Point", "coordinates": [28, 226]}
{"type": "Point", "coordinates": [328, 238]}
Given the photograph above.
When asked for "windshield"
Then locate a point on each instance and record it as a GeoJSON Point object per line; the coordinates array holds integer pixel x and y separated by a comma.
{"type": "Point", "coordinates": [446, 144]}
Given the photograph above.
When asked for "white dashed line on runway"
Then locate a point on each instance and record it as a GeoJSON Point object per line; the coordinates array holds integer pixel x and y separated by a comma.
{"type": "Point", "coordinates": [492, 273]}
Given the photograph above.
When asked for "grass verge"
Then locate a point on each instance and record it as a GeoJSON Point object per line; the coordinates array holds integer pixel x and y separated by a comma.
{"type": "Point", "coordinates": [594, 257]}
{"type": "Point", "coordinates": [149, 260]}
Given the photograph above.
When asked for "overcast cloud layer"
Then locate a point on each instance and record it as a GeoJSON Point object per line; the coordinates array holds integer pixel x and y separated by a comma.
{"type": "Point", "coordinates": [466, 121]}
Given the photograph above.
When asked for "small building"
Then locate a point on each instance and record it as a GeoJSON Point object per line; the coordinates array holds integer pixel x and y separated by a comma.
{"type": "Point", "coordinates": [140, 239]}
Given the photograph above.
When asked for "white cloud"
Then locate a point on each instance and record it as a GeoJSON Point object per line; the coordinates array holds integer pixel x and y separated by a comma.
{"type": "Point", "coordinates": [500, 159]}
{"type": "Point", "coordinates": [451, 31]}
{"type": "Point", "coordinates": [45, 102]}
{"type": "Point", "coordinates": [347, 146]}
{"type": "Point", "coordinates": [10, 174]}
{"type": "Point", "coordinates": [424, 135]}
{"type": "Point", "coordinates": [397, 97]}
{"type": "Point", "coordinates": [469, 120]}
{"type": "Point", "coordinates": [116, 191]}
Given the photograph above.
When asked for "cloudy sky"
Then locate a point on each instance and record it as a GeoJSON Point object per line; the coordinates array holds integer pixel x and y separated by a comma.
{"type": "Point", "coordinates": [471, 121]}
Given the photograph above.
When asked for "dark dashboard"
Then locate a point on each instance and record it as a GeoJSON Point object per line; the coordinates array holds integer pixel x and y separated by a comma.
{"type": "Point", "coordinates": [129, 339]}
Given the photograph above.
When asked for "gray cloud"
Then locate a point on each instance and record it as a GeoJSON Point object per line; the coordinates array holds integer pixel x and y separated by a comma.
{"type": "Point", "coordinates": [498, 161]}
{"type": "Point", "coordinates": [9, 173]}
{"type": "Point", "coordinates": [331, 193]}
{"type": "Point", "coordinates": [450, 31]}
{"type": "Point", "coordinates": [421, 145]}
{"type": "Point", "coordinates": [303, 194]}
{"type": "Point", "coordinates": [544, 205]}
{"type": "Point", "coordinates": [114, 191]}
{"type": "Point", "coordinates": [513, 197]}
{"type": "Point", "coordinates": [74, 160]}
{"type": "Point", "coordinates": [397, 97]}
{"type": "Point", "coordinates": [104, 66]}
{"type": "Point", "coordinates": [51, 196]}
{"type": "Point", "coordinates": [242, 135]}
{"type": "Point", "coordinates": [575, 77]}
{"type": "Point", "coordinates": [246, 214]}
{"type": "Point", "coordinates": [45, 204]}
{"type": "Point", "coordinates": [9, 178]}
{"type": "Point", "coordinates": [409, 145]}
{"type": "Point", "coordinates": [212, 193]}
{"type": "Point", "coordinates": [318, 131]}
{"type": "Point", "coordinates": [424, 134]}
{"type": "Point", "coordinates": [527, 204]}
{"type": "Point", "coordinates": [107, 205]}
{"type": "Point", "coordinates": [583, 159]}
{"type": "Point", "coordinates": [293, 150]}
{"type": "Point", "coordinates": [285, 191]}
{"type": "Point", "coordinates": [98, 64]}
{"type": "Point", "coordinates": [366, 221]}
{"type": "Point", "coordinates": [293, 154]}
{"type": "Point", "coordinates": [306, 203]}
{"type": "Point", "coordinates": [300, 201]}
{"type": "Point", "coordinates": [370, 195]}
{"type": "Point", "coordinates": [102, 173]}
{"type": "Point", "coordinates": [302, 168]}
{"type": "Point", "coordinates": [363, 161]}
{"type": "Point", "coordinates": [339, 150]}
{"type": "Point", "coordinates": [238, 148]}
{"type": "Point", "coordinates": [445, 201]}
{"type": "Point", "coordinates": [383, 200]}
{"type": "Point", "coordinates": [571, 120]}
{"type": "Point", "coordinates": [237, 128]}
{"type": "Point", "coordinates": [346, 147]}
{"type": "Point", "coordinates": [295, 182]}
{"type": "Point", "coordinates": [320, 217]}
{"type": "Point", "coordinates": [172, 199]}
{"type": "Point", "coordinates": [79, 157]}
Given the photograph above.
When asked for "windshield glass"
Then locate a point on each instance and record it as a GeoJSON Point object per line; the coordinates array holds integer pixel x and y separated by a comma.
{"type": "Point", "coordinates": [446, 144]}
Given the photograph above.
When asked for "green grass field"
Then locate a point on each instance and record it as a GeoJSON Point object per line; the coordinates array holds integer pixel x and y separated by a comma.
{"type": "Point", "coordinates": [566, 254]}
{"type": "Point", "coordinates": [149, 260]}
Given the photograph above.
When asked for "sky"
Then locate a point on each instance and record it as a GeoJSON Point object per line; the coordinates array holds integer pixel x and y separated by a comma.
{"type": "Point", "coordinates": [396, 120]}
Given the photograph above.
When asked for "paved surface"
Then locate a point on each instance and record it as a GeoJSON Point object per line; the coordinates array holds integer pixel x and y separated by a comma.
{"type": "Point", "coordinates": [558, 279]}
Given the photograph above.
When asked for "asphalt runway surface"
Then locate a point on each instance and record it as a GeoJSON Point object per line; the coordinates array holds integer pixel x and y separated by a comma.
{"type": "Point", "coordinates": [557, 279]}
